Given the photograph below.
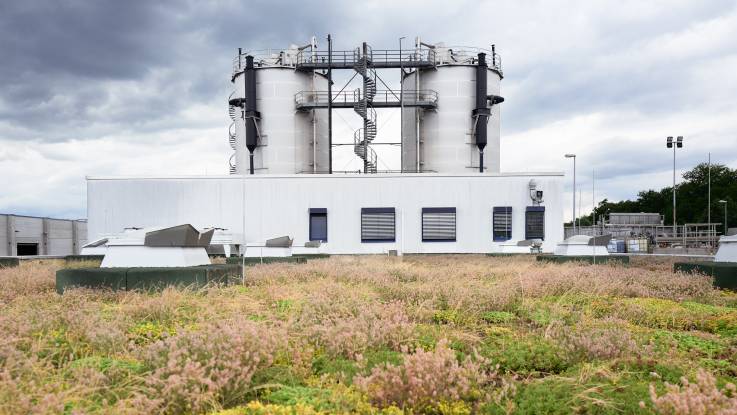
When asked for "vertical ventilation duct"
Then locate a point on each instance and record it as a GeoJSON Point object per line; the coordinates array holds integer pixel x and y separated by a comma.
{"type": "Point", "coordinates": [481, 112]}
{"type": "Point", "coordinates": [250, 114]}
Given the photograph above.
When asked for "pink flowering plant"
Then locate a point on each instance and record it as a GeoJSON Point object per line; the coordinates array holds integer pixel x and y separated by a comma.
{"type": "Point", "coordinates": [436, 334]}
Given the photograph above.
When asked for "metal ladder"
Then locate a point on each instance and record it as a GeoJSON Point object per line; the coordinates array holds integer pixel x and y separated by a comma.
{"type": "Point", "coordinates": [363, 137]}
{"type": "Point", "coordinates": [233, 113]}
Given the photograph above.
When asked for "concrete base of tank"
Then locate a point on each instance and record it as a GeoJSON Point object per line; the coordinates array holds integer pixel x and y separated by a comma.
{"type": "Point", "coordinates": [560, 259]}
{"type": "Point", "coordinates": [146, 278]}
{"type": "Point", "coordinates": [724, 273]}
{"type": "Point", "coordinates": [9, 262]}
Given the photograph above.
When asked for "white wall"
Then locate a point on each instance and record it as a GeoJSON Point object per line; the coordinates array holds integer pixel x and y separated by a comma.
{"type": "Point", "coordinates": [53, 236]}
{"type": "Point", "coordinates": [278, 205]}
{"type": "Point", "coordinates": [6, 243]}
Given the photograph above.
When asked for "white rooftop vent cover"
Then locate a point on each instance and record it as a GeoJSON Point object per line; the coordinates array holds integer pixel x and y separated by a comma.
{"type": "Point", "coordinates": [727, 249]}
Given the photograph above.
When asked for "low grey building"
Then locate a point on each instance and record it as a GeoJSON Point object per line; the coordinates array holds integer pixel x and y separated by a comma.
{"type": "Point", "coordinates": [29, 235]}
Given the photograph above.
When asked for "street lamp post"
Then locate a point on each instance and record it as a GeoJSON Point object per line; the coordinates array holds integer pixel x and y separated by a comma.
{"type": "Point", "coordinates": [724, 202]}
{"type": "Point", "coordinates": [677, 143]}
{"type": "Point", "coordinates": [573, 156]}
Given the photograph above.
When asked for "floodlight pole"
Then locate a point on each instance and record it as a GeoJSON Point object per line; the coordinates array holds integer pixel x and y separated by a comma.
{"type": "Point", "coordinates": [675, 229]}
{"type": "Point", "coordinates": [675, 143]}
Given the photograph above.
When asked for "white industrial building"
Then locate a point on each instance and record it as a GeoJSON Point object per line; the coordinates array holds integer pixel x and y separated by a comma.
{"type": "Point", "coordinates": [31, 235]}
{"type": "Point", "coordinates": [448, 196]}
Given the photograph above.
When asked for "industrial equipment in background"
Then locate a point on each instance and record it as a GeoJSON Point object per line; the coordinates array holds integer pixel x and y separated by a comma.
{"type": "Point", "coordinates": [282, 105]}
{"type": "Point", "coordinates": [32, 236]}
{"type": "Point", "coordinates": [448, 194]}
{"type": "Point", "coordinates": [647, 233]}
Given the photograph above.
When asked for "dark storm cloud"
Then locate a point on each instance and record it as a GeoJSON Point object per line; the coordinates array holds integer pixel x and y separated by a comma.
{"type": "Point", "coordinates": [81, 69]}
{"type": "Point", "coordinates": [60, 55]}
{"type": "Point", "coordinates": [89, 39]}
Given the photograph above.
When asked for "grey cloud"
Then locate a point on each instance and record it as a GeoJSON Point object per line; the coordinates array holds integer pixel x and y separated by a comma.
{"type": "Point", "coordinates": [68, 60]}
{"type": "Point", "coordinates": [86, 70]}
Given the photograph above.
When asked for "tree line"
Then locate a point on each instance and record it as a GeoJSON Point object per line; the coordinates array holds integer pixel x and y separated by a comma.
{"type": "Point", "coordinates": [691, 198]}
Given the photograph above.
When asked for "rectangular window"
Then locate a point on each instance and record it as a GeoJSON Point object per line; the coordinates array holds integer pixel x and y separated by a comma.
{"type": "Point", "coordinates": [439, 224]}
{"type": "Point", "coordinates": [502, 223]}
{"type": "Point", "coordinates": [535, 222]}
{"type": "Point", "coordinates": [23, 249]}
{"type": "Point", "coordinates": [377, 225]}
{"type": "Point", "coordinates": [319, 224]}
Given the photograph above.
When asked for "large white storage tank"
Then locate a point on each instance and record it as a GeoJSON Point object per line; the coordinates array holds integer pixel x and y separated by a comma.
{"type": "Point", "coordinates": [289, 141]}
{"type": "Point", "coordinates": [447, 144]}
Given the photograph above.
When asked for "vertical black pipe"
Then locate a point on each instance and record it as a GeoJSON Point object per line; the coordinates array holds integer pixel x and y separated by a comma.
{"type": "Point", "coordinates": [330, 105]}
{"type": "Point", "coordinates": [250, 113]}
{"type": "Point", "coordinates": [493, 56]}
{"type": "Point", "coordinates": [481, 112]}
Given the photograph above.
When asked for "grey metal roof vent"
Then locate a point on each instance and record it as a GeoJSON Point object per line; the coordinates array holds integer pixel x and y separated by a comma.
{"type": "Point", "coordinates": [181, 235]}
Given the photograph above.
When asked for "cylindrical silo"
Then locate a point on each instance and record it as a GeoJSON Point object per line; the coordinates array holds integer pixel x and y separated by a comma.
{"type": "Point", "coordinates": [447, 143]}
{"type": "Point", "coordinates": [289, 141]}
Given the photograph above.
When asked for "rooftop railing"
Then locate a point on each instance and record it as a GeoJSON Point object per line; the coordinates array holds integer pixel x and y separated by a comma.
{"type": "Point", "coordinates": [265, 58]}
{"type": "Point", "coordinates": [467, 55]}
{"type": "Point", "coordinates": [382, 98]}
{"type": "Point", "coordinates": [424, 57]}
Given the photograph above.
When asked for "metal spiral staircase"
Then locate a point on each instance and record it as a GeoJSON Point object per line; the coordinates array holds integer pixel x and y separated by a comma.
{"type": "Point", "coordinates": [363, 137]}
{"type": "Point", "coordinates": [233, 113]}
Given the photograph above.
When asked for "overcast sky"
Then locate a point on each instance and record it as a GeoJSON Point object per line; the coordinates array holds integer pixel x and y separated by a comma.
{"type": "Point", "coordinates": [139, 87]}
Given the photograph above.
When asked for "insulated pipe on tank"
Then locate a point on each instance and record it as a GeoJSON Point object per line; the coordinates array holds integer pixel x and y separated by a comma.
{"type": "Point", "coordinates": [250, 114]}
{"type": "Point", "coordinates": [418, 52]}
{"type": "Point", "coordinates": [481, 112]}
{"type": "Point", "coordinates": [330, 104]}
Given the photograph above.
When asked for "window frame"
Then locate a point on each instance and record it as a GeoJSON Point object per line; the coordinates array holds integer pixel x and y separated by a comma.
{"type": "Point", "coordinates": [534, 209]}
{"type": "Point", "coordinates": [384, 210]}
{"type": "Point", "coordinates": [440, 210]}
{"type": "Point", "coordinates": [507, 210]}
{"type": "Point", "coordinates": [21, 248]}
{"type": "Point", "coordinates": [318, 212]}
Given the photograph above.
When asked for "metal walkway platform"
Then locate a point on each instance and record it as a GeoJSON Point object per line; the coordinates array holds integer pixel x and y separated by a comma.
{"type": "Point", "coordinates": [307, 60]}
{"type": "Point", "coordinates": [308, 100]}
{"type": "Point", "coordinates": [379, 59]}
